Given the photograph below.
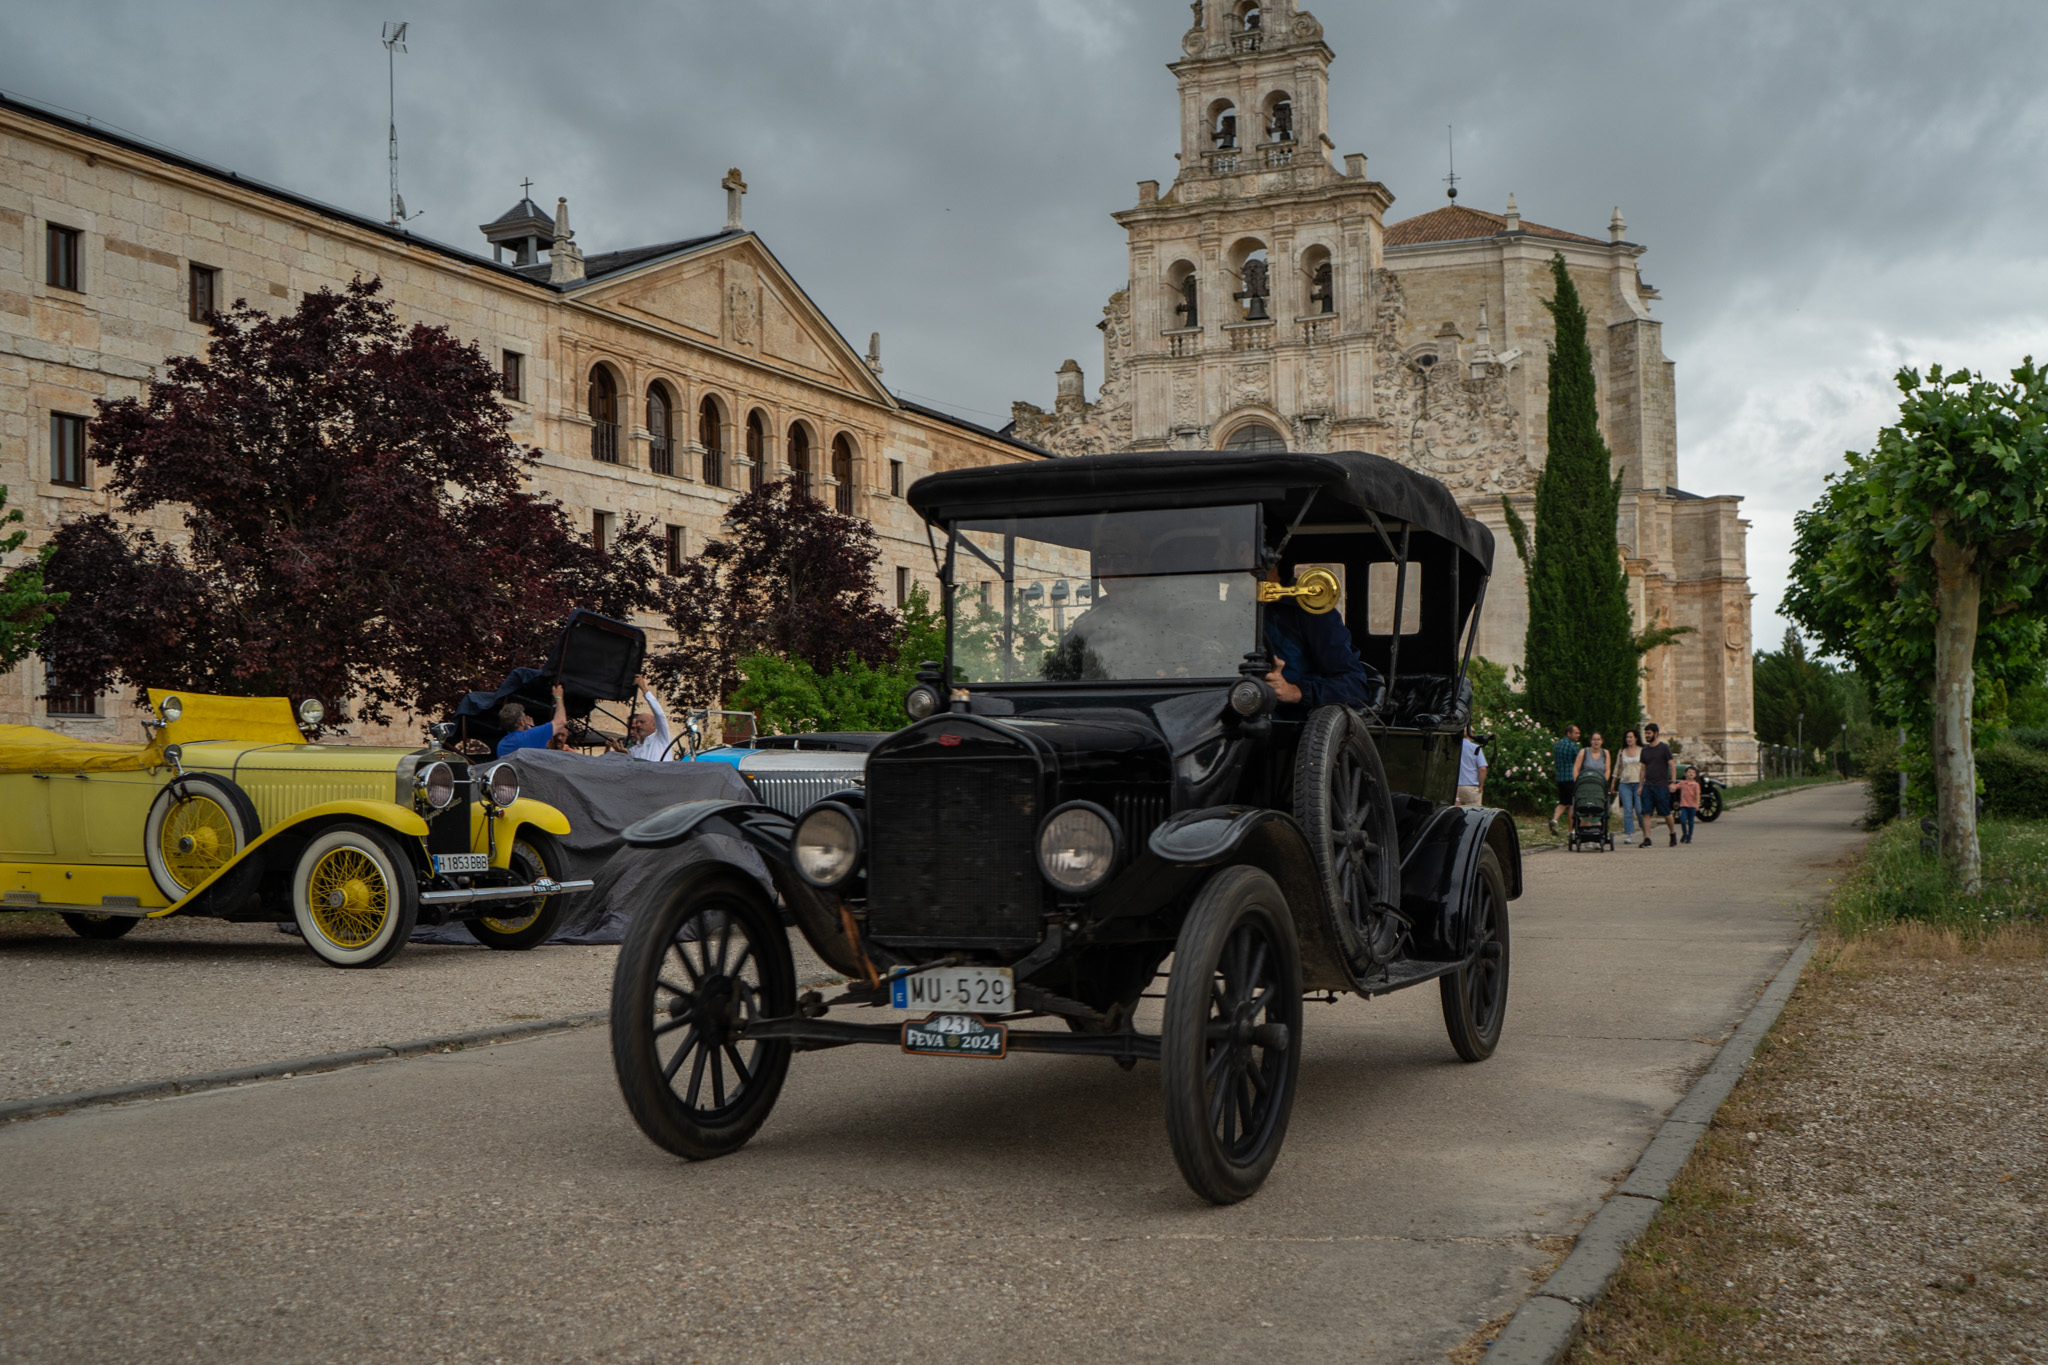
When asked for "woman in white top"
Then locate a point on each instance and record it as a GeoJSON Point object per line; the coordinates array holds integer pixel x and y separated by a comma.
{"type": "Point", "coordinates": [1629, 780]}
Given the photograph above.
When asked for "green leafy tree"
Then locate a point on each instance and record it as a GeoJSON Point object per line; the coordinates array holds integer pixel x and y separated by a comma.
{"type": "Point", "coordinates": [1582, 663]}
{"type": "Point", "coordinates": [1922, 564]}
{"type": "Point", "coordinates": [1790, 684]}
{"type": "Point", "coordinates": [26, 604]}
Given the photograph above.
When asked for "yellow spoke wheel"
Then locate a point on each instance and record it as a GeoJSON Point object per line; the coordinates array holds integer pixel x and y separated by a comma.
{"type": "Point", "coordinates": [197, 840]}
{"type": "Point", "coordinates": [527, 863]}
{"type": "Point", "coordinates": [355, 895]}
{"type": "Point", "coordinates": [518, 925]}
{"type": "Point", "coordinates": [348, 897]}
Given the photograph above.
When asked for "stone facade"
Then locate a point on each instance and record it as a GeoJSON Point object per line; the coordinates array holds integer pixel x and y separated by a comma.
{"type": "Point", "coordinates": [712, 326]}
{"type": "Point", "coordinates": [1269, 305]}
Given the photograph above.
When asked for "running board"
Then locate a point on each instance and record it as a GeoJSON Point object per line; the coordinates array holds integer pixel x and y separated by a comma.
{"type": "Point", "coordinates": [1404, 974]}
{"type": "Point", "coordinates": [812, 1034]}
{"type": "Point", "coordinates": [543, 887]}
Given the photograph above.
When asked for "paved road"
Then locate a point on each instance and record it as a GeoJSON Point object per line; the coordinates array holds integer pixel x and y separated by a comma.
{"type": "Point", "coordinates": [499, 1205]}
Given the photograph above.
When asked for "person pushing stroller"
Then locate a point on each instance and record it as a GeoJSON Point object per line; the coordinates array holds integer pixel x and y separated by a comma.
{"type": "Point", "coordinates": [1592, 786]}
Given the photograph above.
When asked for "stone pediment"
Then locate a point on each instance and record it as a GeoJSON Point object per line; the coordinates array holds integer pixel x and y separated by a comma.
{"type": "Point", "coordinates": [736, 296]}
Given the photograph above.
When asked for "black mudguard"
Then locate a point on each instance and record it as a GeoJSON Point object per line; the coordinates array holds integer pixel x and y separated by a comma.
{"type": "Point", "coordinates": [768, 832]}
{"type": "Point", "coordinates": [1440, 870]}
{"type": "Point", "coordinates": [1271, 841]}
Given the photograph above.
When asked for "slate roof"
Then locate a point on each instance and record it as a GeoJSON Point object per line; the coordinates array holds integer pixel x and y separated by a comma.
{"type": "Point", "coordinates": [611, 262]}
{"type": "Point", "coordinates": [1458, 223]}
{"type": "Point", "coordinates": [525, 211]}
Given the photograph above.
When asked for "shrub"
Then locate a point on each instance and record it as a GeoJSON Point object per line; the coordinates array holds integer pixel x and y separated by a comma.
{"type": "Point", "coordinates": [1518, 758]}
{"type": "Point", "coordinates": [2014, 780]}
{"type": "Point", "coordinates": [2030, 737]}
{"type": "Point", "coordinates": [1899, 880]}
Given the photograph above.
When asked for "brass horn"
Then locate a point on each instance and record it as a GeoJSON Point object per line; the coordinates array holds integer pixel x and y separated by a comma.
{"type": "Point", "coordinates": [1317, 590]}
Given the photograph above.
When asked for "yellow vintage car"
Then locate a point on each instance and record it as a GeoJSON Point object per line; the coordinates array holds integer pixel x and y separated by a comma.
{"type": "Point", "coordinates": [228, 811]}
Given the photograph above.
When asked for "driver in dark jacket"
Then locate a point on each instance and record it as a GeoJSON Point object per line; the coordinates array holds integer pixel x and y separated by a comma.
{"type": "Point", "coordinates": [1315, 663]}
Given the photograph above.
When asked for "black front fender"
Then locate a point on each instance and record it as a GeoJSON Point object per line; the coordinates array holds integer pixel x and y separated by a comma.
{"type": "Point", "coordinates": [768, 831]}
{"type": "Point", "coordinates": [1271, 841]}
{"type": "Point", "coordinates": [1440, 870]}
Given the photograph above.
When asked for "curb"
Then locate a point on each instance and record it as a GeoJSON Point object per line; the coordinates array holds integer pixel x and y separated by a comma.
{"type": "Point", "coordinates": [1547, 1323]}
{"type": "Point", "coordinates": [17, 1110]}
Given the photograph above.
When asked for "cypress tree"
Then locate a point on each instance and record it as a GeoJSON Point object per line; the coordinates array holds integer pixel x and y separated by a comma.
{"type": "Point", "coordinates": [1580, 657]}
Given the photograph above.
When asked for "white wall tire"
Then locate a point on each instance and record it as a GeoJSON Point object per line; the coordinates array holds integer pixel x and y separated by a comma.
{"type": "Point", "coordinates": [355, 896]}
{"type": "Point", "coordinates": [197, 825]}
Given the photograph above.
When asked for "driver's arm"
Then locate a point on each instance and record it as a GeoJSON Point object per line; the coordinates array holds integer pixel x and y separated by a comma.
{"type": "Point", "coordinates": [1338, 674]}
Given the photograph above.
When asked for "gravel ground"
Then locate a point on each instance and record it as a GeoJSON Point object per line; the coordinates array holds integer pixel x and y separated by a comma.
{"type": "Point", "coordinates": [180, 996]}
{"type": "Point", "coordinates": [1877, 1189]}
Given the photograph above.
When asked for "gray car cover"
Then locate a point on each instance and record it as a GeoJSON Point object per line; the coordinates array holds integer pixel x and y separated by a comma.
{"type": "Point", "coordinates": [601, 796]}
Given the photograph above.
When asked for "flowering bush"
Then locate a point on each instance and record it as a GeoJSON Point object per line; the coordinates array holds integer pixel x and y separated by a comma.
{"type": "Point", "coordinates": [1519, 774]}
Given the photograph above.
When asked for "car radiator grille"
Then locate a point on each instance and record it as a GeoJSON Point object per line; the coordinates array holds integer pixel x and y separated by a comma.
{"type": "Point", "coordinates": [953, 859]}
{"type": "Point", "coordinates": [278, 801]}
{"type": "Point", "coordinates": [795, 793]}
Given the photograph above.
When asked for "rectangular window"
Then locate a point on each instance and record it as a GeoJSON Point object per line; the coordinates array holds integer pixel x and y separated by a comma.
{"type": "Point", "coordinates": [678, 544]}
{"type": "Point", "coordinates": [902, 585]}
{"type": "Point", "coordinates": [76, 704]}
{"type": "Point", "coordinates": [601, 530]}
{"type": "Point", "coordinates": [1379, 595]}
{"type": "Point", "coordinates": [895, 478]}
{"type": "Point", "coordinates": [514, 371]}
{"type": "Point", "coordinates": [205, 290]}
{"type": "Point", "coordinates": [67, 449]}
{"type": "Point", "coordinates": [63, 257]}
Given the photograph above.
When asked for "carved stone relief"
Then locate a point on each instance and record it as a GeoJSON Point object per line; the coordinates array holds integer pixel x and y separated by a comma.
{"type": "Point", "coordinates": [1468, 433]}
{"type": "Point", "coordinates": [739, 307]}
{"type": "Point", "coordinates": [1249, 384]}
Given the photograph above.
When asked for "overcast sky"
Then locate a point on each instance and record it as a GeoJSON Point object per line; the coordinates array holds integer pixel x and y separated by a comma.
{"type": "Point", "coordinates": [1827, 190]}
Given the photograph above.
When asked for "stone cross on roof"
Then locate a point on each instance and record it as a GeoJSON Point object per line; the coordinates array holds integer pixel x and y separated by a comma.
{"type": "Point", "coordinates": [734, 187]}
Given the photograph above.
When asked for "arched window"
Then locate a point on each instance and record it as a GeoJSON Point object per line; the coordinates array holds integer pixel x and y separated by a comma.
{"type": "Point", "coordinates": [800, 454]}
{"type": "Point", "coordinates": [604, 415]}
{"type": "Point", "coordinates": [1254, 285]}
{"type": "Point", "coordinates": [1279, 118]}
{"type": "Point", "coordinates": [711, 435]}
{"type": "Point", "coordinates": [661, 449]}
{"type": "Point", "coordinates": [757, 448]}
{"type": "Point", "coordinates": [1187, 303]}
{"type": "Point", "coordinates": [1322, 280]}
{"type": "Point", "coordinates": [842, 470]}
{"type": "Point", "coordinates": [1255, 438]}
{"type": "Point", "coordinates": [1223, 124]}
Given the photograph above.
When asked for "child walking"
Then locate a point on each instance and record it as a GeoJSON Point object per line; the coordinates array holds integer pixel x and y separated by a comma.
{"type": "Point", "coordinates": [1688, 789]}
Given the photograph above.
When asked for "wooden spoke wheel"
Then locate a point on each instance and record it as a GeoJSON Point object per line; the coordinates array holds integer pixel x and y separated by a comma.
{"type": "Point", "coordinates": [517, 925]}
{"type": "Point", "coordinates": [692, 972]}
{"type": "Point", "coordinates": [199, 825]}
{"type": "Point", "coordinates": [1346, 808]}
{"type": "Point", "coordinates": [88, 925]}
{"type": "Point", "coordinates": [1230, 1044]}
{"type": "Point", "coordinates": [355, 896]}
{"type": "Point", "coordinates": [1476, 995]}
{"type": "Point", "coordinates": [1710, 803]}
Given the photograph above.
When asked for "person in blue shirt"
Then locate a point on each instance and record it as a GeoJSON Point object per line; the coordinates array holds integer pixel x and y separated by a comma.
{"type": "Point", "coordinates": [1564, 757]}
{"type": "Point", "coordinates": [1314, 661]}
{"type": "Point", "coordinates": [531, 736]}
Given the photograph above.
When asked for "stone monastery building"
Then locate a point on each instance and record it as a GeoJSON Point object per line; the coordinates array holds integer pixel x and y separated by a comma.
{"type": "Point", "coordinates": [1269, 306]}
{"type": "Point", "coordinates": [659, 381]}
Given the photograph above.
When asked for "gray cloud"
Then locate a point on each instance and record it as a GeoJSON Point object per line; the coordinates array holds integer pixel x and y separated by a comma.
{"type": "Point", "coordinates": [1828, 190]}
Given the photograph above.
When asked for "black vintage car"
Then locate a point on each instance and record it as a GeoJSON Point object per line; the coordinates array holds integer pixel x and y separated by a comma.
{"type": "Point", "coordinates": [1100, 783]}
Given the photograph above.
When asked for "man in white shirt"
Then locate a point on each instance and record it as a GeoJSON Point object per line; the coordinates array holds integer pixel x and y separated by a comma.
{"type": "Point", "coordinates": [1471, 771]}
{"type": "Point", "coordinates": [648, 730]}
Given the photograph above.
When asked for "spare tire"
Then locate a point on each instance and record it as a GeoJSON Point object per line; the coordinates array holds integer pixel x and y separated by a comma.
{"type": "Point", "coordinates": [199, 824]}
{"type": "Point", "coordinates": [1344, 805]}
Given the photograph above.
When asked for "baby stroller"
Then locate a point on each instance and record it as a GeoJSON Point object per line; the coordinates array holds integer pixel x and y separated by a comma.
{"type": "Point", "coordinates": [1589, 815]}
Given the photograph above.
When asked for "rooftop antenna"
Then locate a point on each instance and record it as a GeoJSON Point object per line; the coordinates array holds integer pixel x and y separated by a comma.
{"type": "Point", "coordinates": [1450, 145]}
{"type": "Point", "coordinates": [394, 43]}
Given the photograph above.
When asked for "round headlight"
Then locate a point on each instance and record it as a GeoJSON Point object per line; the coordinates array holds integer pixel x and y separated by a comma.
{"type": "Point", "coordinates": [501, 784]}
{"type": "Point", "coordinates": [1250, 696]}
{"type": "Point", "coordinates": [827, 845]}
{"type": "Point", "coordinates": [311, 712]}
{"type": "Point", "coordinates": [923, 701]}
{"type": "Point", "coordinates": [437, 785]}
{"type": "Point", "coordinates": [171, 708]}
{"type": "Point", "coordinates": [1077, 847]}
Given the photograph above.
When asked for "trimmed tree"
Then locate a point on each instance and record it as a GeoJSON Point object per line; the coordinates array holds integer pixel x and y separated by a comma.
{"type": "Point", "coordinates": [1580, 656]}
{"type": "Point", "coordinates": [356, 522]}
{"type": "Point", "coordinates": [1922, 563]}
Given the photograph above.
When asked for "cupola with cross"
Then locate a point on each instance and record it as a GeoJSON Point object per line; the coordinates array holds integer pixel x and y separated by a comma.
{"type": "Point", "coordinates": [525, 229]}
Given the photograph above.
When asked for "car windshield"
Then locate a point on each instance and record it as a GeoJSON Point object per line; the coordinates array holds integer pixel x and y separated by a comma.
{"type": "Point", "coordinates": [1112, 596]}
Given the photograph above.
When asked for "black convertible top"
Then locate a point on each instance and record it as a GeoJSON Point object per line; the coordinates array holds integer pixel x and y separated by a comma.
{"type": "Point", "coordinates": [1200, 478]}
